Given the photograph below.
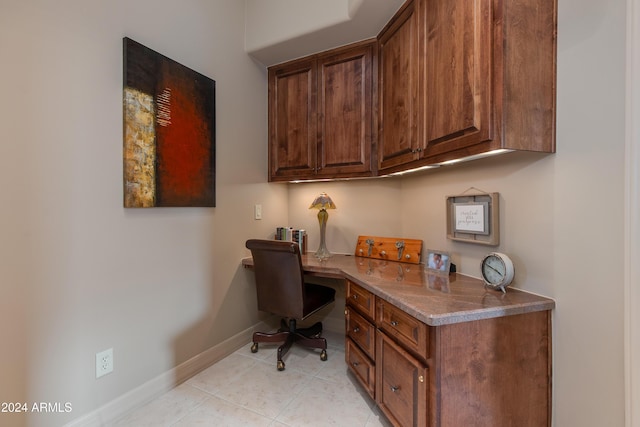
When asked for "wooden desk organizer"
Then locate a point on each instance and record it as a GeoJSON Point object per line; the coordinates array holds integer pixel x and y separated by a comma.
{"type": "Point", "coordinates": [389, 248]}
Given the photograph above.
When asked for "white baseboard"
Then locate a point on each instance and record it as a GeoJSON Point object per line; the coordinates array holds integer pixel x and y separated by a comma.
{"type": "Point", "coordinates": [117, 408]}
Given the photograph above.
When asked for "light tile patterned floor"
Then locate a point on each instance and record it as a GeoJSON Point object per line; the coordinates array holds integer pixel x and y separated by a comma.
{"type": "Point", "coordinates": [246, 389]}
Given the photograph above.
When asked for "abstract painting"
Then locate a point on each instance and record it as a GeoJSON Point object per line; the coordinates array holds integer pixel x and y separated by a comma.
{"type": "Point", "coordinates": [169, 132]}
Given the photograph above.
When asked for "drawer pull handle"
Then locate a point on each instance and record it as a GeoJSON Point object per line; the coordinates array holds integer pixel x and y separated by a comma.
{"type": "Point", "coordinates": [421, 378]}
{"type": "Point", "coordinates": [356, 330]}
{"type": "Point", "coordinates": [394, 323]}
{"type": "Point", "coordinates": [355, 296]}
{"type": "Point", "coordinates": [355, 364]}
{"type": "Point", "coordinates": [395, 388]}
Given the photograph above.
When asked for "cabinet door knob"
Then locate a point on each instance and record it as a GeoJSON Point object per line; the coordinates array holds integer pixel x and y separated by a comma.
{"type": "Point", "coordinates": [394, 323]}
{"type": "Point", "coordinates": [395, 388]}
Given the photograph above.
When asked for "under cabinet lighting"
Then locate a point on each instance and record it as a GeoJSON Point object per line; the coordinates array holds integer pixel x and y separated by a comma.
{"type": "Point", "coordinates": [422, 168]}
{"type": "Point", "coordinates": [403, 172]}
{"type": "Point", "coordinates": [475, 156]}
{"type": "Point", "coordinates": [300, 181]}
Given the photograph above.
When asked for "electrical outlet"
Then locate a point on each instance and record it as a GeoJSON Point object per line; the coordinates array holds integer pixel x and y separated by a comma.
{"type": "Point", "coordinates": [257, 212]}
{"type": "Point", "coordinates": [104, 363]}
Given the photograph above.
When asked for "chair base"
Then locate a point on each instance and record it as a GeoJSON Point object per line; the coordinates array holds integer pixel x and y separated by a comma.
{"type": "Point", "coordinates": [308, 337]}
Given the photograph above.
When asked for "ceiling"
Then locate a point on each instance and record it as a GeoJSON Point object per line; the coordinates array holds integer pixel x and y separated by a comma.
{"type": "Point", "coordinates": [280, 30]}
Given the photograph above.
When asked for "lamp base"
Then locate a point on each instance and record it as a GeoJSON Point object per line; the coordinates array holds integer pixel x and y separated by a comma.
{"type": "Point", "coordinates": [322, 252]}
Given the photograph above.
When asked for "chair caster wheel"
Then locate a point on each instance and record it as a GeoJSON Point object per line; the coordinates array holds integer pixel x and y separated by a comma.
{"type": "Point", "coordinates": [254, 347]}
{"type": "Point", "coordinates": [323, 355]}
{"type": "Point", "coordinates": [280, 365]}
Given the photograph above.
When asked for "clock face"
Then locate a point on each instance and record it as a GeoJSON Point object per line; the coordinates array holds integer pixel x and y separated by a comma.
{"type": "Point", "coordinates": [493, 270]}
{"type": "Point", "coordinates": [497, 270]}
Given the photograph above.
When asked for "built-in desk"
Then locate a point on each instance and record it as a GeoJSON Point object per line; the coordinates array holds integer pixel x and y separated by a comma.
{"type": "Point", "coordinates": [443, 351]}
{"type": "Point", "coordinates": [430, 299]}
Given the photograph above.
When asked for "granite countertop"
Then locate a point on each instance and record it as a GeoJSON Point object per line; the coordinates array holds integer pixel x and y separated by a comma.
{"type": "Point", "coordinates": [433, 299]}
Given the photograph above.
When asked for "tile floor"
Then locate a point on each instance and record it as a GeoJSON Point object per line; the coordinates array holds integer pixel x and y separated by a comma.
{"type": "Point", "coordinates": [246, 389]}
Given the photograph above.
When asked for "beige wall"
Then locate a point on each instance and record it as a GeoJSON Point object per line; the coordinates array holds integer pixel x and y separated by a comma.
{"type": "Point", "coordinates": [80, 274]}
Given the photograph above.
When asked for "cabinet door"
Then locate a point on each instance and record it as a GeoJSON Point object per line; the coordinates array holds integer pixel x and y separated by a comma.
{"type": "Point", "coordinates": [292, 120]}
{"type": "Point", "coordinates": [457, 73]}
{"type": "Point", "coordinates": [401, 384]}
{"type": "Point", "coordinates": [399, 83]}
{"type": "Point", "coordinates": [345, 111]}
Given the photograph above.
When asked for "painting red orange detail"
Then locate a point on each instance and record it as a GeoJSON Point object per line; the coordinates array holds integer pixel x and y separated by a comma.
{"type": "Point", "coordinates": [169, 132]}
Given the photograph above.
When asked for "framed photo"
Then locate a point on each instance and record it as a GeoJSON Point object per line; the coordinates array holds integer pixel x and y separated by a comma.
{"type": "Point", "coordinates": [438, 262]}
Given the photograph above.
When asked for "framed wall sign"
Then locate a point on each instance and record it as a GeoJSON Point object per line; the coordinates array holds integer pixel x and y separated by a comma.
{"type": "Point", "coordinates": [471, 217]}
{"type": "Point", "coordinates": [474, 218]}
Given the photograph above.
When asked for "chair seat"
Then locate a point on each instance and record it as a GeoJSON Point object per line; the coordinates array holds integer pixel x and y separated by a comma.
{"type": "Point", "coordinates": [316, 297]}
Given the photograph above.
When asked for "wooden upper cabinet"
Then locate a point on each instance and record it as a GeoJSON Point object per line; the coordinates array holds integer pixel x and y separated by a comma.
{"type": "Point", "coordinates": [525, 95]}
{"type": "Point", "coordinates": [399, 86]}
{"type": "Point", "coordinates": [321, 115]}
{"type": "Point", "coordinates": [485, 80]}
{"type": "Point", "coordinates": [456, 74]}
{"type": "Point", "coordinates": [346, 114]}
{"type": "Point", "coordinates": [292, 119]}
{"type": "Point", "coordinates": [444, 80]}
{"type": "Point", "coordinates": [491, 74]}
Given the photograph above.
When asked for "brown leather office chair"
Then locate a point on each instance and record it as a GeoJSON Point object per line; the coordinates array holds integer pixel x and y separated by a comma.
{"type": "Point", "coordinates": [282, 291]}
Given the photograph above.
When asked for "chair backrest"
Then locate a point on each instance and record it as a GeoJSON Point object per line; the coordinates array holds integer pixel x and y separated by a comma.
{"type": "Point", "coordinates": [279, 277]}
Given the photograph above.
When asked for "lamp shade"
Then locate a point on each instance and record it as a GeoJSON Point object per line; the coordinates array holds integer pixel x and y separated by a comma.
{"type": "Point", "coordinates": [323, 201]}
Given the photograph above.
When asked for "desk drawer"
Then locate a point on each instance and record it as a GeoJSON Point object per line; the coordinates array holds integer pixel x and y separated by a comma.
{"type": "Point", "coordinates": [361, 366]}
{"type": "Point", "coordinates": [360, 331]}
{"type": "Point", "coordinates": [362, 300]}
{"type": "Point", "coordinates": [407, 330]}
